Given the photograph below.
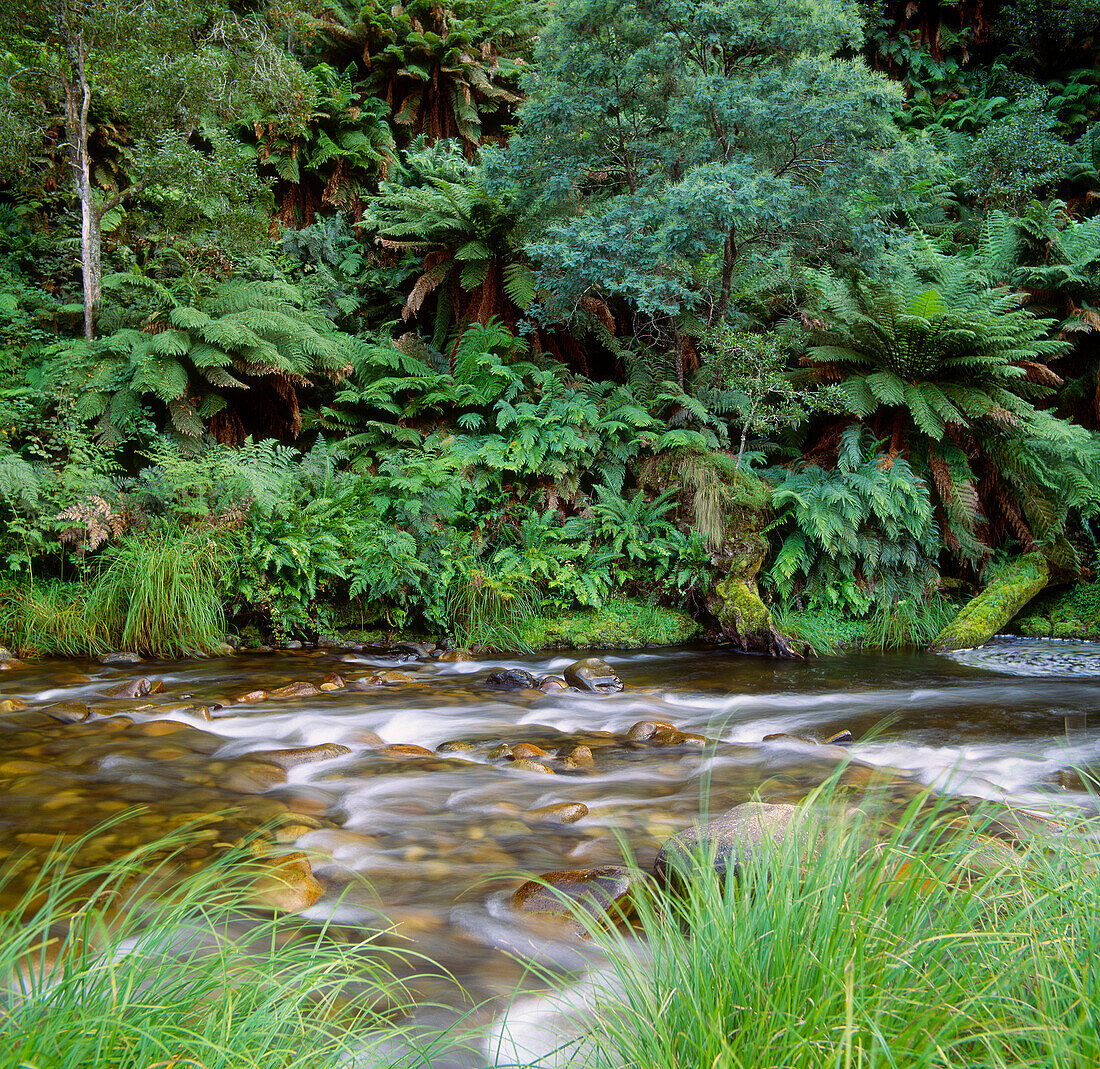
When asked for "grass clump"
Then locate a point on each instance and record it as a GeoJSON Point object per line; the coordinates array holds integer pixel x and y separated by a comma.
{"type": "Point", "coordinates": [626, 623]}
{"type": "Point", "coordinates": [159, 595]}
{"type": "Point", "coordinates": [156, 593]}
{"type": "Point", "coordinates": [117, 969]}
{"type": "Point", "coordinates": [828, 632]}
{"type": "Point", "coordinates": [938, 947]}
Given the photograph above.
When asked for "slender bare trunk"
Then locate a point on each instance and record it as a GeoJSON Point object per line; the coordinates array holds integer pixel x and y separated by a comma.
{"type": "Point", "coordinates": [78, 100]}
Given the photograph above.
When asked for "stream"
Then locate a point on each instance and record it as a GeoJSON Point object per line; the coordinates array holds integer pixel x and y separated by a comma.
{"type": "Point", "coordinates": [437, 842]}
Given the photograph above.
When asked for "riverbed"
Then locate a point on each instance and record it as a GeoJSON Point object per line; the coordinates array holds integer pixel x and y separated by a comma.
{"type": "Point", "coordinates": [435, 843]}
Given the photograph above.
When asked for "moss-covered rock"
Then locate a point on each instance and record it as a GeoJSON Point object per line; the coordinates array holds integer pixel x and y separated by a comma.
{"type": "Point", "coordinates": [1010, 588]}
{"type": "Point", "coordinates": [1072, 612]}
{"type": "Point", "coordinates": [622, 624]}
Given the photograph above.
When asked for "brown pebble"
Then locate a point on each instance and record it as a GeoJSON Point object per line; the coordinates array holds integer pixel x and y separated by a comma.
{"type": "Point", "coordinates": [562, 813]}
{"type": "Point", "coordinates": [524, 765]}
{"type": "Point", "coordinates": [136, 688]}
{"type": "Point", "coordinates": [580, 756]}
{"type": "Point", "coordinates": [252, 696]}
{"type": "Point", "coordinates": [301, 755]}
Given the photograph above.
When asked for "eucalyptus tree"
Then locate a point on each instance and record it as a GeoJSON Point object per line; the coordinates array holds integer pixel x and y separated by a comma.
{"type": "Point", "coordinates": [689, 136]}
{"type": "Point", "coordinates": [151, 72]}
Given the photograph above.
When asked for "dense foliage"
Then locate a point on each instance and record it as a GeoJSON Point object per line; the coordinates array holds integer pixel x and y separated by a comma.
{"type": "Point", "coordinates": [439, 316]}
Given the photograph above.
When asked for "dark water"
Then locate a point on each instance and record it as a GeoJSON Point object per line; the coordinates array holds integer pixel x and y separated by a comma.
{"type": "Point", "coordinates": [435, 843]}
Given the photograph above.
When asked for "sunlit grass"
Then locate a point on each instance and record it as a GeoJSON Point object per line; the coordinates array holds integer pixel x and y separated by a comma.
{"type": "Point", "coordinates": [117, 968]}
{"type": "Point", "coordinates": [932, 949]}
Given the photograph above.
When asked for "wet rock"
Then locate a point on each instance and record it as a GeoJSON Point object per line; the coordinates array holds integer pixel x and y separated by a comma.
{"type": "Point", "coordinates": [11, 705]}
{"type": "Point", "coordinates": [402, 750]}
{"type": "Point", "coordinates": [251, 697]}
{"type": "Point", "coordinates": [332, 681]}
{"type": "Point", "coordinates": [68, 712]}
{"type": "Point", "coordinates": [608, 890]}
{"type": "Point", "coordinates": [293, 644]}
{"type": "Point", "coordinates": [646, 729]}
{"type": "Point", "coordinates": [286, 884]}
{"type": "Point", "coordinates": [251, 777]}
{"type": "Point", "coordinates": [552, 685]}
{"type": "Point", "coordinates": [593, 674]}
{"type": "Point", "coordinates": [413, 650]}
{"type": "Point", "coordinates": [562, 813]}
{"type": "Point", "coordinates": [302, 755]}
{"type": "Point", "coordinates": [136, 688]}
{"type": "Point", "coordinates": [501, 751]}
{"type": "Point", "coordinates": [382, 679]}
{"type": "Point", "coordinates": [455, 656]}
{"type": "Point", "coordinates": [456, 746]}
{"type": "Point", "coordinates": [366, 737]}
{"type": "Point", "coordinates": [528, 751]}
{"type": "Point", "coordinates": [510, 679]}
{"type": "Point", "coordinates": [678, 738]}
{"type": "Point", "coordinates": [580, 757]}
{"type": "Point", "coordinates": [10, 664]}
{"type": "Point", "coordinates": [120, 657]}
{"type": "Point", "coordinates": [294, 690]}
{"type": "Point", "coordinates": [6, 654]}
{"type": "Point", "coordinates": [732, 838]}
{"type": "Point", "coordinates": [525, 765]}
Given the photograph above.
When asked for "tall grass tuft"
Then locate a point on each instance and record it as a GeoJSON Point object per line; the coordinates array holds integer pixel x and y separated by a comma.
{"type": "Point", "coordinates": [49, 618]}
{"type": "Point", "coordinates": [908, 623]}
{"type": "Point", "coordinates": [888, 956]}
{"type": "Point", "coordinates": [159, 595]}
{"type": "Point", "coordinates": [488, 608]}
{"type": "Point", "coordinates": [115, 969]}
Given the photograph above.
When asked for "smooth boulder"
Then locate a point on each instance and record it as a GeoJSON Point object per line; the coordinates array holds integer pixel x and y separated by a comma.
{"type": "Point", "coordinates": [510, 679]}
{"type": "Point", "coordinates": [732, 839]}
{"type": "Point", "coordinates": [593, 674]}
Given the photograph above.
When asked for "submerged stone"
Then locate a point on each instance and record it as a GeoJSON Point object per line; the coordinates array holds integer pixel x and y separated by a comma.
{"type": "Point", "coordinates": [136, 688]}
{"type": "Point", "coordinates": [732, 839]}
{"type": "Point", "coordinates": [69, 712]}
{"type": "Point", "coordinates": [287, 883]}
{"type": "Point", "coordinates": [562, 813]}
{"type": "Point", "coordinates": [646, 729]}
{"type": "Point", "coordinates": [301, 755]}
{"type": "Point", "coordinates": [608, 890]}
{"type": "Point", "coordinates": [593, 674]}
{"type": "Point", "coordinates": [294, 690]}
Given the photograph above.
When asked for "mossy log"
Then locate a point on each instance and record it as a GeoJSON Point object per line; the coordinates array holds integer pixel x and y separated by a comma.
{"type": "Point", "coordinates": [1007, 593]}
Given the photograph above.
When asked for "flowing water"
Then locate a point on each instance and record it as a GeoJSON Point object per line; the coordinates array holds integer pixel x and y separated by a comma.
{"type": "Point", "coordinates": [436, 843]}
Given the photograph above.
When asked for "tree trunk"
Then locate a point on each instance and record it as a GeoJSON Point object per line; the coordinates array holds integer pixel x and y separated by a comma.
{"type": "Point", "coordinates": [78, 99]}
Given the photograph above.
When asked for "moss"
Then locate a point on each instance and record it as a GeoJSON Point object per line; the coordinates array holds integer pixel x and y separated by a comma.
{"type": "Point", "coordinates": [621, 624]}
{"type": "Point", "coordinates": [1071, 612]}
{"type": "Point", "coordinates": [1011, 587]}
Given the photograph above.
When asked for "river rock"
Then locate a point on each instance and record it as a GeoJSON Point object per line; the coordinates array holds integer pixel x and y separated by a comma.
{"type": "Point", "coordinates": [382, 679]}
{"type": "Point", "coordinates": [510, 679]}
{"type": "Point", "coordinates": [252, 777]}
{"type": "Point", "coordinates": [608, 890]}
{"type": "Point", "coordinates": [456, 746]}
{"type": "Point", "coordinates": [286, 884]}
{"type": "Point", "coordinates": [251, 697]}
{"type": "Point", "coordinates": [136, 688]}
{"type": "Point", "coordinates": [9, 664]}
{"type": "Point", "coordinates": [120, 657]}
{"type": "Point", "coordinates": [579, 757]}
{"type": "Point", "coordinates": [455, 656]}
{"type": "Point", "coordinates": [733, 838]}
{"type": "Point", "coordinates": [294, 690]}
{"type": "Point", "coordinates": [562, 813]}
{"type": "Point", "coordinates": [525, 765]}
{"type": "Point", "coordinates": [646, 729]}
{"type": "Point", "coordinates": [528, 751]}
{"type": "Point", "coordinates": [593, 674]}
{"type": "Point", "coordinates": [69, 712]}
{"type": "Point", "coordinates": [11, 705]}
{"type": "Point", "coordinates": [301, 755]}
{"type": "Point", "coordinates": [6, 654]}
{"type": "Point", "coordinates": [402, 750]}
{"type": "Point", "coordinates": [552, 685]}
